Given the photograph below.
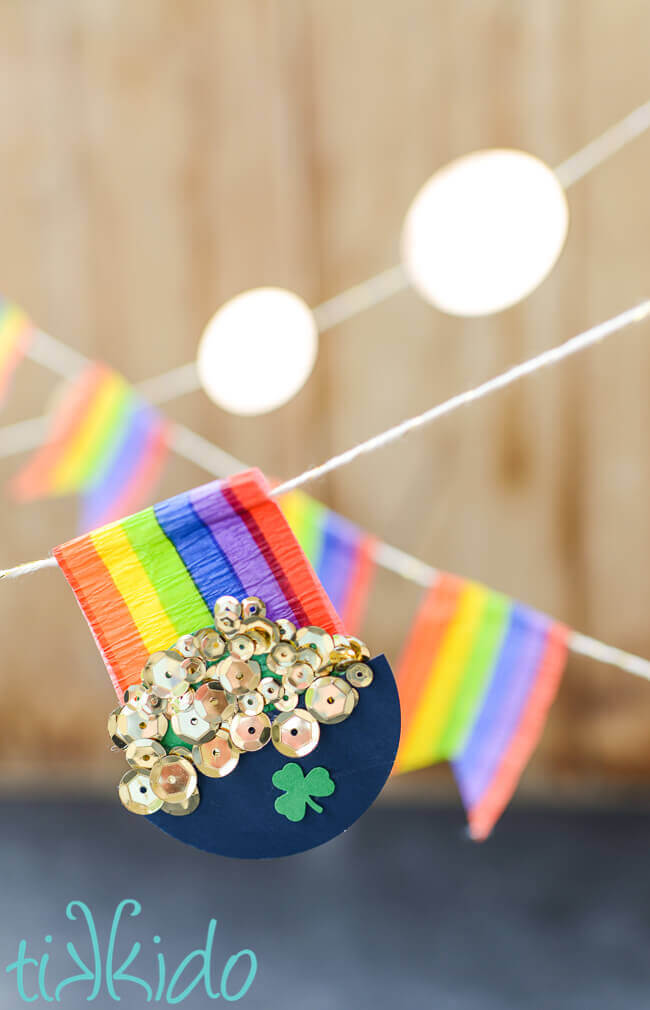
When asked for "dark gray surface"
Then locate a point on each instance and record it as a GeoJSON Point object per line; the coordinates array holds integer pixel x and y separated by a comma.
{"type": "Point", "coordinates": [553, 912]}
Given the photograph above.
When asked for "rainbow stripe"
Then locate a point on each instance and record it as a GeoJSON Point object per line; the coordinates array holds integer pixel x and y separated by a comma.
{"type": "Point", "coordinates": [477, 678]}
{"type": "Point", "coordinates": [341, 554]}
{"type": "Point", "coordinates": [16, 334]}
{"type": "Point", "coordinates": [102, 442]}
{"type": "Point", "coordinates": [148, 579]}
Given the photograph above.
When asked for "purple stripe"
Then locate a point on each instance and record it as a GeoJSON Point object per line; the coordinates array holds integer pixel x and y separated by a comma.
{"type": "Point", "coordinates": [235, 541]}
{"type": "Point", "coordinates": [514, 676]}
{"type": "Point", "coordinates": [99, 498]}
{"type": "Point", "coordinates": [338, 552]}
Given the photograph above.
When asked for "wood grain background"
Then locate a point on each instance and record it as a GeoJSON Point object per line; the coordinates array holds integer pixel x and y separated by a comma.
{"type": "Point", "coordinates": [157, 157]}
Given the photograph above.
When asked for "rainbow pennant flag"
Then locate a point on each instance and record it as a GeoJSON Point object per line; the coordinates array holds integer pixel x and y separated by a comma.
{"type": "Point", "coordinates": [146, 580]}
{"type": "Point", "coordinates": [103, 442]}
{"type": "Point", "coordinates": [16, 334]}
{"type": "Point", "coordinates": [342, 555]}
{"type": "Point", "coordinates": [476, 680]}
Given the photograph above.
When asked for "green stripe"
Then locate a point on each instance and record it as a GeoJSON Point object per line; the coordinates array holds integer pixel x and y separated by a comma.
{"type": "Point", "coordinates": [166, 571]}
{"type": "Point", "coordinates": [309, 531]}
{"type": "Point", "coordinates": [114, 426]}
{"type": "Point", "coordinates": [475, 679]}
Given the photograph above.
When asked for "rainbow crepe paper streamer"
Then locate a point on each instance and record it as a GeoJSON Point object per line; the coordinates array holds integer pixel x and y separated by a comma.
{"type": "Point", "coordinates": [476, 681]}
{"type": "Point", "coordinates": [146, 580]}
{"type": "Point", "coordinates": [103, 442]}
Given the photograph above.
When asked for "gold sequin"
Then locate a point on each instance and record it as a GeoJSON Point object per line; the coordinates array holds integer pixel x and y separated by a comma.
{"type": "Point", "coordinates": [182, 809]}
{"type": "Point", "coordinates": [288, 698]}
{"type": "Point", "coordinates": [359, 675]}
{"type": "Point", "coordinates": [227, 605]}
{"type": "Point", "coordinates": [242, 647]}
{"type": "Point", "coordinates": [299, 676]}
{"type": "Point", "coordinates": [143, 753]}
{"type": "Point", "coordinates": [281, 656]}
{"type": "Point", "coordinates": [112, 729]}
{"type": "Point", "coordinates": [188, 646]}
{"type": "Point", "coordinates": [180, 704]}
{"type": "Point", "coordinates": [191, 728]}
{"type": "Point", "coordinates": [228, 624]}
{"type": "Point", "coordinates": [213, 703]}
{"type": "Point", "coordinates": [252, 606]}
{"type": "Point", "coordinates": [250, 732]}
{"type": "Point", "coordinates": [316, 639]}
{"type": "Point", "coordinates": [238, 677]}
{"type": "Point", "coordinates": [180, 750]}
{"type": "Point", "coordinates": [136, 794]}
{"type": "Point", "coordinates": [330, 699]}
{"type": "Point", "coordinates": [164, 674]}
{"type": "Point", "coordinates": [173, 779]}
{"type": "Point", "coordinates": [211, 644]}
{"type": "Point", "coordinates": [217, 758]}
{"type": "Point", "coordinates": [132, 725]}
{"type": "Point", "coordinates": [195, 669]}
{"type": "Point", "coordinates": [286, 629]}
{"type": "Point", "coordinates": [251, 703]}
{"type": "Point", "coordinates": [295, 734]}
{"type": "Point", "coordinates": [263, 632]}
{"type": "Point", "coordinates": [270, 689]}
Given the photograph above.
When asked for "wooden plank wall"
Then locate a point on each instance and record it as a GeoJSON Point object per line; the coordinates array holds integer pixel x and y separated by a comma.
{"type": "Point", "coordinates": [157, 157]}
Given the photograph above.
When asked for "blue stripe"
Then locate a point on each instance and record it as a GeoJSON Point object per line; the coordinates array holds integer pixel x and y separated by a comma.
{"type": "Point", "coordinates": [512, 680]}
{"type": "Point", "coordinates": [118, 468]}
{"type": "Point", "coordinates": [338, 552]}
{"type": "Point", "coordinates": [208, 566]}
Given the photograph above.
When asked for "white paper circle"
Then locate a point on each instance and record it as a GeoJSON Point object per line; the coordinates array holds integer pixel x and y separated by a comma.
{"type": "Point", "coordinates": [484, 232]}
{"type": "Point", "coordinates": [257, 351]}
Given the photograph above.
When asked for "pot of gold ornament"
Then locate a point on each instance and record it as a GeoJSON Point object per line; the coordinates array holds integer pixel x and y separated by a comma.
{"type": "Point", "coordinates": [255, 738]}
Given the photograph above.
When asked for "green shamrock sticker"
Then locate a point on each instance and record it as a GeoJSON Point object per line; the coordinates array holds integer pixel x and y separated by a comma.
{"type": "Point", "coordinates": [299, 790]}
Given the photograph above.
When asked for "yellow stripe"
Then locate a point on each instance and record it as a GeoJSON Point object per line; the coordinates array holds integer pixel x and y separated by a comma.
{"type": "Point", "coordinates": [86, 438]}
{"type": "Point", "coordinates": [421, 746]}
{"type": "Point", "coordinates": [10, 327]}
{"type": "Point", "coordinates": [150, 618]}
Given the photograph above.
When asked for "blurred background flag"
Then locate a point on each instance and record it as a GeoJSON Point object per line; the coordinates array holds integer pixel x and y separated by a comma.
{"type": "Point", "coordinates": [16, 330]}
{"type": "Point", "coordinates": [477, 678]}
{"type": "Point", "coordinates": [341, 553]}
{"type": "Point", "coordinates": [103, 442]}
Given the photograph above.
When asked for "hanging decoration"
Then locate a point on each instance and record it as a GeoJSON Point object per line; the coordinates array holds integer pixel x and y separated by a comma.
{"type": "Point", "coordinates": [476, 680]}
{"type": "Point", "coordinates": [16, 334]}
{"type": "Point", "coordinates": [103, 443]}
{"type": "Point", "coordinates": [342, 554]}
{"type": "Point", "coordinates": [484, 232]}
{"type": "Point", "coordinates": [195, 581]}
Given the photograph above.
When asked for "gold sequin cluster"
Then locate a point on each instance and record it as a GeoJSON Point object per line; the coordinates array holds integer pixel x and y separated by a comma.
{"type": "Point", "coordinates": [224, 691]}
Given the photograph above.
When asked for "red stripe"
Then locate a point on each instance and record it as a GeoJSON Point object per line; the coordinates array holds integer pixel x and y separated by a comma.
{"type": "Point", "coordinates": [354, 606]}
{"type": "Point", "coordinates": [414, 668]}
{"type": "Point", "coordinates": [34, 478]}
{"type": "Point", "coordinates": [247, 493]}
{"type": "Point", "coordinates": [105, 610]}
{"type": "Point", "coordinates": [484, 815]}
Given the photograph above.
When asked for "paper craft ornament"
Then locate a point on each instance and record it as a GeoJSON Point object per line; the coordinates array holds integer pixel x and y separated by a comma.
{"type": "Point", "coordinates": [476, 680]}
{"type": "Point", "coordinates": [177, 596]}
{"type": "Point", "coordinates": [103, 442]}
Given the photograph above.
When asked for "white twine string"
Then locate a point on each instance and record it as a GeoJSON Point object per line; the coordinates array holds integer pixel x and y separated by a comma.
{"type": "Point", "coordinates": [194, 447]}
{"type": "Point", "coordinates": [543, 360]}
{"type": "Point", "coordinates": [384, 285]}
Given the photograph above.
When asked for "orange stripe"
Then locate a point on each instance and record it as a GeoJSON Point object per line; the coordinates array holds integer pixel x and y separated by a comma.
{"type": "Point", "coordinates": [105, 610]}
{"type": "Point", "coordinates": [486, 813]}
{"type": "Point", "coordinates": [251, 489]}
{"type": "Point", "coordinates": [35, 478]}
{"type": "Point", "coordinates": [353, 608]}
{"type": "Point", "coordinates": [416, 662]}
